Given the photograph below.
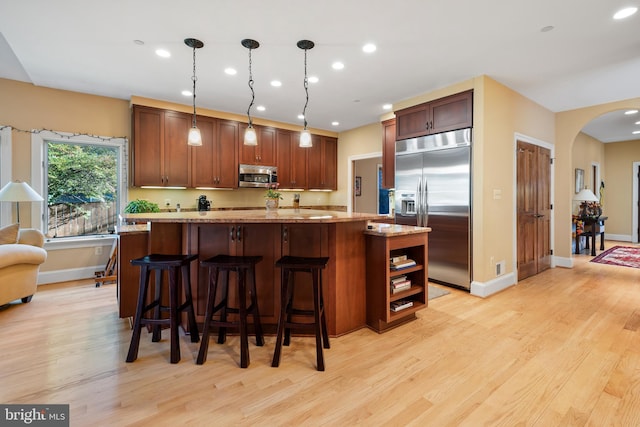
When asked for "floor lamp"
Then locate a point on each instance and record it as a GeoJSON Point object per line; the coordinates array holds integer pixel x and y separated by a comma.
{"type": "Point", "coordinates": [17, 191]}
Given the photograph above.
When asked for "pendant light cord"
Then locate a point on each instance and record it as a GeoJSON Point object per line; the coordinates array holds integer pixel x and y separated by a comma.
{"type": "Point", "coordinates": [306, 90]}
{"type": "Point", "coordinates": [194, 78]}
{"type": "Point", "coordinates": [253, 94]}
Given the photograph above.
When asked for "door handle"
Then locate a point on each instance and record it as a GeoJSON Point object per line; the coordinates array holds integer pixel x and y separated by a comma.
{"type": "Point", "coordinates": [419, 203]}
{"type": "Point", "coordinates": [425, 210]}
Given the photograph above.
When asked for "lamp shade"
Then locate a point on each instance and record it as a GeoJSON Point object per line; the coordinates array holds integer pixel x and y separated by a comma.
{"type": "Point", "coordinates": [17, 191]}
{"type": "Point", "coordinates": [585, 195]}
{"type": "Point", "coordinates": [250, 137]}
{"type": "Point", "coordinates": [305, 139]}
{"type": "Point", "coordinates": [194, 137]}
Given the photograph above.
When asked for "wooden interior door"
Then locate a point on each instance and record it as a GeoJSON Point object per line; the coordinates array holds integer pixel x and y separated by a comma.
{"type": "Point", "coordinates": [533, 209]}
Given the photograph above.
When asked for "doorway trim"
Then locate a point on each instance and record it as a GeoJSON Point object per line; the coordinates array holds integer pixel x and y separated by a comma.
{"type": "Point", "coordinates": [514, 244]}
{"type": "Point", "coordinates": [634, 203]}
{"type": "Point", "coordinates": [5, 172]}
{"type": "Point", "coordinates": [350, 161]}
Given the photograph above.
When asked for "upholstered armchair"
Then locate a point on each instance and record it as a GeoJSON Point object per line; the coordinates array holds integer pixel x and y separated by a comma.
{"type": "Point", "coordinates": [19, 266]}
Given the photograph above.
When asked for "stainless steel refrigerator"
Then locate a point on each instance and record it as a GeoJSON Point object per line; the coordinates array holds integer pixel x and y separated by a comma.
{"type": "Point", "coordinates": [433, 189]}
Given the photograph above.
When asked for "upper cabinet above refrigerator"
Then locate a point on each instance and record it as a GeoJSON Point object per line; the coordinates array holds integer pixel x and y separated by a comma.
{"type": "Point", "coordinates": [442, 115]}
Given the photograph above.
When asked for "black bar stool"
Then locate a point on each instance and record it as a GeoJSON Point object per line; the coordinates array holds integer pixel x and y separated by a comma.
{"type": "Point", "coordinates": [159, 263]}
{"type": "Point", "coordinates": [244, 266]}
{"type": "Point", "coordinates": [289, 266]}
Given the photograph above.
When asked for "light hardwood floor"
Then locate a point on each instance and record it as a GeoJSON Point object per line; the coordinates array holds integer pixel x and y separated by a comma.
{"type": "Point", "coordinates": [558, 349]}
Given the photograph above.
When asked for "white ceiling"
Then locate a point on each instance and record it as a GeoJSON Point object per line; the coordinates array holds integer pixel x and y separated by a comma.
{"type": "Point", "coordinates": [88, 46]}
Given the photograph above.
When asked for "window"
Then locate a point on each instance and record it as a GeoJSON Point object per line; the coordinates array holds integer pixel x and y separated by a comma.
{"type": "Point", "coordinates": [82, 179]}
{"type": "Point", "coordinates": [82, 189]}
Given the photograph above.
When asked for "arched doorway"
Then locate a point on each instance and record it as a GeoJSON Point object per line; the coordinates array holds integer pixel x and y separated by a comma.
{"type": "Point", "coordinates": [609, 153]}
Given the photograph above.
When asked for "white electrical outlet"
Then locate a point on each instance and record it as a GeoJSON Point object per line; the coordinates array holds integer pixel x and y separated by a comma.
{"type": "Point", "coordinates": [98, 250]}
{"type": "Point", "coordinates": [167, 202]}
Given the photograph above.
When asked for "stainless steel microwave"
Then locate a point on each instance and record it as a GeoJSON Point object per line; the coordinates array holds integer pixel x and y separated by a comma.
{"type": "Point", "coordinates": [257, 176]}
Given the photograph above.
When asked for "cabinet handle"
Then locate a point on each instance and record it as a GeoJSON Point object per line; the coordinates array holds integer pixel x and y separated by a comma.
{"type": "Point", "coordinates": [232, 234]}
{"type": "Point", "coordinates": [285, 234]}
{"type": "Point", "coordinates": [239, 233]}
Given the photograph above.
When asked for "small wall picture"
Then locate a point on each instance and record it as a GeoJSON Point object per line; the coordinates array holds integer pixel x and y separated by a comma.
{"type": "Point", "coordinates": [579, 179]}
{"type": "Point", "coordinates": [358, 186]}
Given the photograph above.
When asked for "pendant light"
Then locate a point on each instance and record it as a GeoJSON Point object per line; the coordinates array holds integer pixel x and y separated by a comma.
{"type": "Point", "coordinates": [194, 138]}
{"type": "Point", "coordinates": [250, 137]}
{"type": "Point", "coordinates": [305, 135]}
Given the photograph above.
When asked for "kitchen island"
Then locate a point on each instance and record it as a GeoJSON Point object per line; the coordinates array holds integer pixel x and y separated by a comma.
{"type": "Point", "coordinates": [298, 232]}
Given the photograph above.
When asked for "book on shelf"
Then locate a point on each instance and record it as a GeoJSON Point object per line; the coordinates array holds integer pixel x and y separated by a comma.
{"type": "Point", "coordinates": [399, 279]}
{"type": "Point", "coordinates": [401, 305]}
{"type": "Point", "coordinates": [398, 258]}
{"type": "Point", "coordinates": [402, 288]}
{"type": "Point", "coordinates": [402, 283]}
{"type": "Point", "coordinates": [402, 264]}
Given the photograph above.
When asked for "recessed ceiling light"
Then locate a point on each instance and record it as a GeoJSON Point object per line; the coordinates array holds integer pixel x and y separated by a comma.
{"type": "Point", "coordinates": [369, 48]}
{"type": "Point", "coordinates": [387, 107]}
{"type": "Point", "coordinates": [300, 117]}
{"type": "Point", "coordinates": [630, 112]}
{"type": "Point", "coordinates": [163, 53]}
{"type": "Point", "coordinates": [337, 65]}
{"type": "Point", "coordinates": [335, 123]}
{"type": "Point", "coordinates": [638, 122]}
{"type": "Point", "coordinates": [636, 132]}
{"type": "Point", "coordinates": [138, 42]}
{"type": "Point", "coordinates": [625, 13]}
{"type": "Point", "coordinates": [313, 79]}
{"type": "Point", "coordinates": [187, 93]}
{"type": "Point", "coordinates": [260, 108]}
{"type": "Point", "coordinates": [276, 83]}
{"type": "Point", "coordinates": [230, 71]}
{"type": "Point", "coordinates": [547, 28]}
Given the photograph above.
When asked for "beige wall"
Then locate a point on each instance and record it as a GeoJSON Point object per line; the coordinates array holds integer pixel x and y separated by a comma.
{"type": "Point", "coordinates": [587, 151]}
{"type": "Point", "coordinates": [505, 114]}
{"type": "Point", "coordinates": [364, 140]}
{"type": "Point", "coordinates": [618, 200]}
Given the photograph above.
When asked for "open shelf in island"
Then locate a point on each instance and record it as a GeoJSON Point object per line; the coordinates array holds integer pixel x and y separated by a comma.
{"type": "Point", "coordinates": [382, 251]}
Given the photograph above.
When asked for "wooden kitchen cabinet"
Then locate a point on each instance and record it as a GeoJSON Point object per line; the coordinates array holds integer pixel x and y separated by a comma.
{"type": "Point", "coordinates": [442, 115]}
{"type": "Point", "coordinates": [208, 240]}
{"type": "Point", "coordinates": [389, 153]}
{"type": "Point", "coordinates": [322, 172]}
{"type": "Point", "coordinates": [380, 296]}
{"type": "Point", "coordinates": [263, 154]}
{"type": "Point", "coordinates": [215, 163]}
{"type": "Point", "coordinates": [161, 156]}
{"type": "Point", "coordinates": [291, 160]}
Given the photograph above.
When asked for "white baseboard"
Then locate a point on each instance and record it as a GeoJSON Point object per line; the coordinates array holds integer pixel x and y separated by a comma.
{"type": "Point", "coordinates": [45, 277]}
{"type": "Point", "coordinates": [485, 289]}
{"type": "Point", "coordinates": [565, 262]}
{"type": "Point", "coordinates": [618, 237]}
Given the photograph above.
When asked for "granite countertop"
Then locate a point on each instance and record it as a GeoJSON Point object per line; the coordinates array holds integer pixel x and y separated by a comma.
{"type": "Point", "coordinates": [132, 228]}
{"type": "Point", "coordinates": [388, 230]}
{"type": "Point", "coordinates": [253, 216]}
